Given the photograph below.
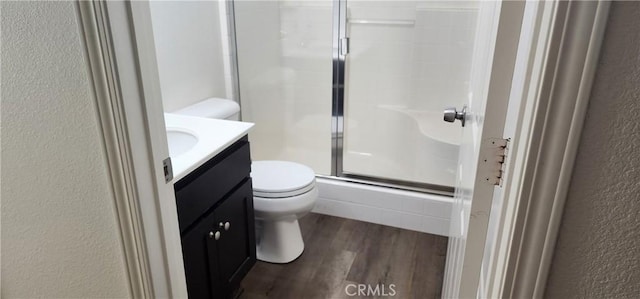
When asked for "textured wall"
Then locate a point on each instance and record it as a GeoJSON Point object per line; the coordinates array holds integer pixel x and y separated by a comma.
{"type": "Point", "coordinates": [598, 249]}
{"type": "Point", "coordinates": [189, 51]}
{"type": "Point", "coordinates": [59, 232]}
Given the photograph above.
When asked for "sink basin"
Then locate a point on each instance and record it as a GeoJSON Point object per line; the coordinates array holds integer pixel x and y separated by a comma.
{"type": "Point", "coordinates": [180, 142]}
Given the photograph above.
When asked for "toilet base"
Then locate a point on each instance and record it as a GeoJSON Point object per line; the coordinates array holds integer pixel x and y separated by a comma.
{"type": "Point", "coordinates": [278, 241]}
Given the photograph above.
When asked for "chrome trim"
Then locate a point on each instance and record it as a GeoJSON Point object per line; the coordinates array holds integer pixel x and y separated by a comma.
{"type": "Point", "coordinates": [344, 46]}
{"type": "Point", "coordinates": [382, 22]}
{"type": "Point", "coordinates": [393, 184]}
{"type": "Point", "coordinates": [337, 109]}
{"type": "Point", "coordinates": [233, 52]}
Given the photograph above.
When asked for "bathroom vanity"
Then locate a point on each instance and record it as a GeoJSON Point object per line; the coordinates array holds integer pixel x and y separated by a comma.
{"type": "Point", "coordinates": [215, 206]}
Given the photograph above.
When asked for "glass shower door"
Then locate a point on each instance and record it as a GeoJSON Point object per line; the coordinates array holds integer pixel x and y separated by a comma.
{"type": "Point", "coordinates": [406, 61]}
{"type": "Point", "coordinates": [356, 89]}
{"type": "Point", "coordinates": [284, 66]}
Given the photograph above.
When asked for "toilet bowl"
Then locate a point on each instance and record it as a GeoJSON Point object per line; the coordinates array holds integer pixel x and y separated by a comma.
{"type": "Point", "coordinates": [283, 192]}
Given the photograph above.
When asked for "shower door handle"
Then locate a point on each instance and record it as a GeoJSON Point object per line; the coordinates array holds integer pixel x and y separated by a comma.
{"type": "Point", "coordinates": [451, 114]}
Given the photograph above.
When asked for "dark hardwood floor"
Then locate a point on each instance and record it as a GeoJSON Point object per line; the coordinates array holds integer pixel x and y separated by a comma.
{"type": "Point", "coordinates": [340, 252]}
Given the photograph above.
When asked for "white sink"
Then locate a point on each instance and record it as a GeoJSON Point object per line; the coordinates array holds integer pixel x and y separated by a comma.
{"type": "Point", "coordinates": [195, 140]}
{"type": "Point", "coordinates": [180, 141]}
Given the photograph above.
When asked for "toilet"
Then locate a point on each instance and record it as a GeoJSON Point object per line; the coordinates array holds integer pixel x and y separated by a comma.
{"type": "Point", "coordinates": [283, 192]}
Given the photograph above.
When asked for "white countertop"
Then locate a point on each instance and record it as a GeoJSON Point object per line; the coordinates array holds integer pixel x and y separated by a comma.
{"type": "Point", "coordinates": [214, 135]}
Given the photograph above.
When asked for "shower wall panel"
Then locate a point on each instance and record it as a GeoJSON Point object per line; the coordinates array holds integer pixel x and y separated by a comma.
{"type": "Point", "coordinates": [284, 55]}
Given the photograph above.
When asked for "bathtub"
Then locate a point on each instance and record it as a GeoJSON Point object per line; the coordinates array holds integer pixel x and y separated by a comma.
{"type": "Point", "coordinates": [428, 213]}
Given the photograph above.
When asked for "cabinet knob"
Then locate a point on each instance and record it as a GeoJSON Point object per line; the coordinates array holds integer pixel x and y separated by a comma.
{"type": "Point", "coordinates": [225, 225]}
{"type": "Point", "coordinates": [215, 235]}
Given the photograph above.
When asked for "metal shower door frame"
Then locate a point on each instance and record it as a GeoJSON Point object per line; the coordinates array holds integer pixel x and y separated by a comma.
{"type": "Point", "coordinates": [340, 45]}
{"type": "Point", "coordinates": [340, 50]}
{"type": "Point", "coordinates": [337, 109]}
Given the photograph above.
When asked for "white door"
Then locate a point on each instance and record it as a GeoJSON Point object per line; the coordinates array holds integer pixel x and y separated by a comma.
{"type": "Point", "coordinates": [492, 71]}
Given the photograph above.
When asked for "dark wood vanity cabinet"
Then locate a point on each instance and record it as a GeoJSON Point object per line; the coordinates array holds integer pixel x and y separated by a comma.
{"type": "Point", "coordinates": [215, 213]}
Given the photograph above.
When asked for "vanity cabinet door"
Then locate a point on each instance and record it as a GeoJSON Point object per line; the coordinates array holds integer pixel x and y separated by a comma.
{"type": "Point", "coordinates": [200, 255]}
{"type": "Point", "coordinates": [215, 213]}
{"type": "Point", "coordinates": [219, 249]}
{"type": "Point", "coordinates": [236, 246]}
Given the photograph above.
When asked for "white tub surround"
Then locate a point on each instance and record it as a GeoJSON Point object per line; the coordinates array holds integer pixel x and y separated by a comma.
{"type": "Point", "coordinates": [212, 137]}
{"type": "Point", "coordinates": [416, 211]}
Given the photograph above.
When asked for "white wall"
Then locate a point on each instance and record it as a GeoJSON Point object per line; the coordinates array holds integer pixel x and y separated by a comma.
{"type": "Point", "coordinates": [597, 254]}
{"type": "Point", "coordinates": [189, 49]}
{"type": "Point", "coordinates": [60, 237]}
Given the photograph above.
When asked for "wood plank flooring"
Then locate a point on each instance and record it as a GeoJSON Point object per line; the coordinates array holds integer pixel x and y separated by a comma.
{"type": "Point", "coordinates": [339, 252]}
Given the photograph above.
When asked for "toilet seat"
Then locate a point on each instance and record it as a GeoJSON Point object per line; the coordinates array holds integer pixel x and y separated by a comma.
{"type": "Point", "coordinates": [281, 179]}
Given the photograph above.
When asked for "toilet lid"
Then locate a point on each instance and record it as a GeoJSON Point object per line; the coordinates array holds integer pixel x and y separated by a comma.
{"type": "Point", "coordinates": [211, 108]}
{"type": "Point", "coordinates": [281, 178]}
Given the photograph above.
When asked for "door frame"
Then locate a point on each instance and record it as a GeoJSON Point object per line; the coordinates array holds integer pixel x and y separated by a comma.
{"type": "Point", "coordinates": [560, 70]}
{"type": "Point", "coordinates": [122, 66]}
{"type": "Point", "coordinates": [120, 54]}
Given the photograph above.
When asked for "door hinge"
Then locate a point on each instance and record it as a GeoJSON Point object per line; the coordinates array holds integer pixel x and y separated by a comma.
{"type": "Point", "coordinates": [344, 46]}
{"type": "Point", "coordinates": [168, 170]}
{"type": "Point", "coordinates": [494, 156]}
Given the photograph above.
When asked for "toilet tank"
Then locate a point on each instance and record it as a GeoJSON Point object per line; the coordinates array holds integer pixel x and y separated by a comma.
{"type": "Point", "coordinates": [217, 108]}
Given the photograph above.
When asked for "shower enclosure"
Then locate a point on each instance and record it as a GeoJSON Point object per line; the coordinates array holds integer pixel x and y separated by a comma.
{"type": "Point", "coordinates": [356, 89]}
